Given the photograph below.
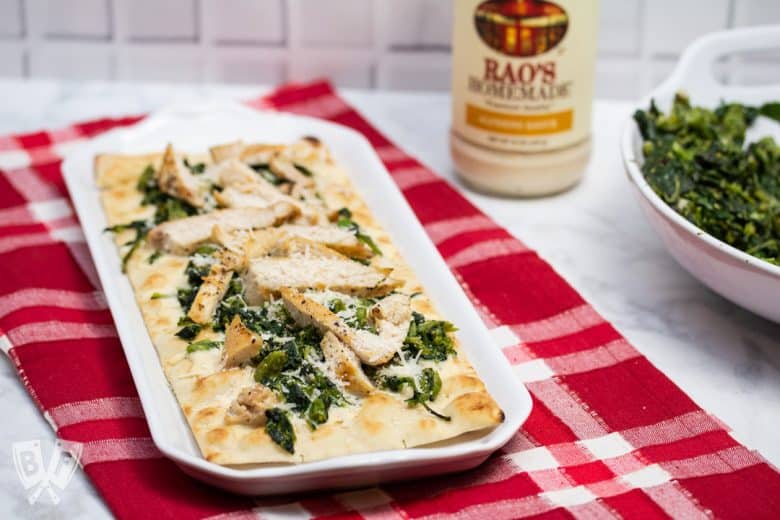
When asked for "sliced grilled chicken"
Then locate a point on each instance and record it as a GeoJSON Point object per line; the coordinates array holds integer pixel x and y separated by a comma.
{"type": "Point", "coordinates": [346, 365]}
{"type": "Point", "coordinates": [241, 344]}
{"type": "Point", "coordinates": [287, 170]}
{"type": "Point", "coordinates": [210, 294]}
{"type": "Point", "coordinates": [177, 181]}
{"type": "Point", "coordinates": [246, 153]}
{"type": "Point", "coordinates": [232, 172]}
{"type": "Point", "coordinates": [234, 240]}
{"type": "Point", "coordinates": [241, 197]}
{"type": "Point", "coordinates": [184, 235]}
{"type": "Point", "coordinates": [334, 237]}
{"type": "Point", "coordinates": [260, 153]}
{"type": "Point", "coordinates": [243, 187]}
{"type": "Point", "coordinates": [233, 260]}
{"type": "Point", "coordinates": [266, 276]}
{"type": "Point", "coordinates": [392, 316]}
{"type": "Point", "coordinates": [293, 246]}
{"type": "Point", "coordinates": [370, 348]}
{"type": "Point", "coordinates": [235, 247]}
{"type": "Point", "coordinates": [226, 151]}
{"type": "Point", "coordinates": [257, 243]}
{"type": "Point", "coordinates": [264, 242]}
{"type": "Point", "coordinates": [241, 245]}
{"type": "Point", "coordinates": [250, 405]}
{"type": "Point", "coordinates": [292, 240]}
{"type": "Point", "coordinates": [306, 149]}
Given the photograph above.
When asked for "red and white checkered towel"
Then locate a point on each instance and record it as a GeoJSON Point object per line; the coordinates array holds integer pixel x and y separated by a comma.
{"type": "Point", "coordinates": [609, 435]}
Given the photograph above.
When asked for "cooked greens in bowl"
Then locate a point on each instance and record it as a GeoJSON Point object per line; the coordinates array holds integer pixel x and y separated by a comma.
{"type": "Point", "coordinates": [696, 160]}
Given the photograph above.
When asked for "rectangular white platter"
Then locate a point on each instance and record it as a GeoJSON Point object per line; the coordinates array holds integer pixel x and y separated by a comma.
{"type": "Point", "coordinates": [194, 129]}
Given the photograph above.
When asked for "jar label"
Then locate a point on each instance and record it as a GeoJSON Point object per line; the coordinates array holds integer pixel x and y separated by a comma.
{"type": "Point", "coordinates": [522, 76]}
{"type": "Point", "coordinates": [518, 124]}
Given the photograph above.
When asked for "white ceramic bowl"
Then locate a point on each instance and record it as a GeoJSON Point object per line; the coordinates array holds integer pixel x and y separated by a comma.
{"type": "Point", "coordinates": [745, 280]}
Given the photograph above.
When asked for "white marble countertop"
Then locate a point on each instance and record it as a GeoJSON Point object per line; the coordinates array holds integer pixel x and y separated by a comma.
{"type": "Point", "coordinates": [727, 359]}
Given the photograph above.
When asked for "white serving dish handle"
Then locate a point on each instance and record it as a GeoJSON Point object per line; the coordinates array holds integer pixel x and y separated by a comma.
{"type": "Point", "coordinates": [695, 71]}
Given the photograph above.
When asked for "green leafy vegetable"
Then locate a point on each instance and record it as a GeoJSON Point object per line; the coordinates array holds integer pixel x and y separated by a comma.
{"type": "Point", "coordinates": [424, 390]}
{"type": "Point", "coordinates": [271, 319]}
{"type": "Point", "coordinates": [271, 366]}
{"type": "Point", "coordinates": [265, 172]}
{"type": "Point", "coordinates": [154, 256]}
{"type": "Point", "coordinates": [293, 390]}
{"type": "Point", "coordinates": [141, 229]}
{"type": "Point", "coordinates": [396, 384]}
{"type": "Point", "coordinates": [429, 384]}
{"type": "Point", "coordinates": [337, 305]}
{"type": "Point", "coordinates": [146, 181]}
{"type": "Point", "coordinates": [227, 309]}
{"type": "Point", "coordinates": [361, 316]}
{"type": "Point", "coordinates": [430, 338]}
{"type": "Point", "coordinates": [157, 296]}
{"type": "Point", "coordinates": [318, 412]}
{"type": "Point", "coordinates": [189, 329]}
{"type": "Point", "coordinates": [204, 344]}
{"type": "Point", "coordinates": [319, 382]}
{"type": "Point", "coordinates": [166, 207]}
{"type": "Point", "coordinates": [195, 272]}
{"type": "Point", "coordinates": [303, 169]}
{"type": "Point", "coordinates": [308, 341]}
{"type": "Point", "coordinates": [357, 315]}
{"type": "Point", "coordinates": [302, 385]}
{"type": "Point", "coordinates": [232, 303]}
{"type": "Point", "coordinates": [186, 295]}
{"type": "Point", "coordinates": [205, 250]}
{"type": "Point", "coordinates": [771, 110]}
{"type": "Point", "coordinates": [695, 159]}
{"type": "Point", "coordinates": [196, 168]}
{"type": "Point", "coordinates": [279, 428]}
{"type": "Point", "coordinates": [345, 221]}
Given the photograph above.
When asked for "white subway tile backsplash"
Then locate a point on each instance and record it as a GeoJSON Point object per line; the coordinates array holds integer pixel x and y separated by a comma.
{"type": "Point", "coordinates": [248, 67]}
{"type": "Point", "coordinates": [618, 78]}
{"type": "Point", "coordinates": [245, 21]}
{"type": "Point", "coordinates": [161, 63]}
{"type": "Point", "coordinates": [66, 60]}
{"type": "Point", "coordinates": [158, 20]}
{"type": "Point", "coordinates": [419, 24]}
{"type": "Point", "coordinates": [619, 27]}
{"type": "Point", "coordinates": [670, 25]}
{"type": "Point", "coordinates": [660, 69]}
{"type": "Point", "coordinates": [76, 18]}
{"type": "Point", "coordinates": [415, 71]}
{"type": "Point", "coordinates": [335, 23]}
{"type": "Point", "coordinates": [10, 18]}
{"type": "Point", "coordinates": [756, 12]}
{"type": "Point", "coordinates": [394, 44]}
{"type": "Point", "coordinates": [12, 64]}
{"type": "Point", "coordinates": [348, 71]}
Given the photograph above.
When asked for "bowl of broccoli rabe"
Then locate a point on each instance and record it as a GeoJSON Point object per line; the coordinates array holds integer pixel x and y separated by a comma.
{"type": "Point", "coordinates": [703, 157]}
{"type": "Point", "coordinates": [710, 188]}
{"type": "Point", "coordinates": [698, 162]}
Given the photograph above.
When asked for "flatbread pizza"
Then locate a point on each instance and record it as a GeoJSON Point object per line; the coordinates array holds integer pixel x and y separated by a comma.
{"type": "Point", "coordinates": [288, 325]}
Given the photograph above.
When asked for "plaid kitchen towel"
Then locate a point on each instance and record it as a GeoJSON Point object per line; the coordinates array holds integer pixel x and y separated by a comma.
{"type": "Point", "coordinates": [609, 435]}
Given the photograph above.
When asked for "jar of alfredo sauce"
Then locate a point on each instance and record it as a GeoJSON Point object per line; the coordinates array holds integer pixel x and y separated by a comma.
{"type": "Point", "coordinates": [522, 93]}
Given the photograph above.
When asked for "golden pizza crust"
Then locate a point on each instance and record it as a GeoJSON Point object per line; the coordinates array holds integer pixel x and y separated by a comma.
{"type": "Point", "coordinates": [205, 390]}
